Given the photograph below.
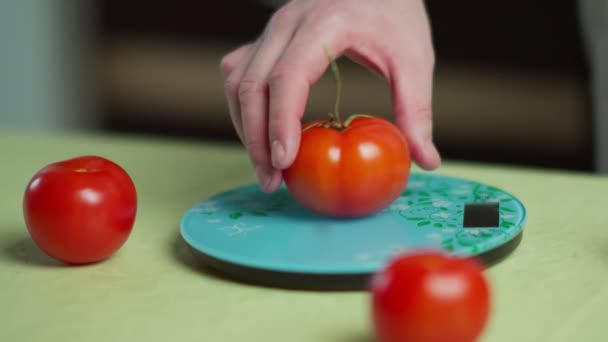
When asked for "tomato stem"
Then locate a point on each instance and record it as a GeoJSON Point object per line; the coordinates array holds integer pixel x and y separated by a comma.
{"type": "Point", "coordinates": [354, 116]}
{"type": "Point", "coordinates": [336, 71]}
{"type": "Point", "coordinates": [335, 121]}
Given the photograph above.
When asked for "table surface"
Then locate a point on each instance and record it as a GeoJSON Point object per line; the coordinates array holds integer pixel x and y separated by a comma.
{"type": "Point", "coordinates": [553, 287]}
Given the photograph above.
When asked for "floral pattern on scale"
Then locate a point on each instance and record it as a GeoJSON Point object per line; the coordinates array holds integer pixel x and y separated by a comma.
{"type": "Point", "coordinates": [429, 213]}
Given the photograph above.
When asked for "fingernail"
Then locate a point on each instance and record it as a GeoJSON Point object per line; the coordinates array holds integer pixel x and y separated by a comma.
{"type": "Point", "coordinates": [428, 145]}
{"type": "Point", "coordinates": [263, 177]}
{"type": "Point", "coordinates": [278, 154]}
{"type": "Point", "coordinates": [275, 181]}
{"type": "Point", "coordinates": [433, 153]}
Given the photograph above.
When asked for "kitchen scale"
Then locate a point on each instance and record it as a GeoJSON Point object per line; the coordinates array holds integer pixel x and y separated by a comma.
{"type": "Point", "coordinates": [269, 239]}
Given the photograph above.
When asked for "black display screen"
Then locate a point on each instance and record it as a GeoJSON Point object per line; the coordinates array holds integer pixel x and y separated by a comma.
{"type": "Point", "coordinates": [481, 215]}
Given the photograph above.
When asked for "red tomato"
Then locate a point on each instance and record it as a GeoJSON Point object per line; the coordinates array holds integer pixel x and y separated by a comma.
{"type": "Point", "coordinates": [80, 210]}
{"type": "Point", "coordinates": [353, 170]}
{"type": "Point", "coordinates": [427, 296]}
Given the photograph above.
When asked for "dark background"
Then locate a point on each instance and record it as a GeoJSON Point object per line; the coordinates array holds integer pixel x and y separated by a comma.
{"type": "Point", "coordinates": [528, 37]}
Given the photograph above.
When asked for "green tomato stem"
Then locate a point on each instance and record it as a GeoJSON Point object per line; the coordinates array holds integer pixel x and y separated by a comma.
{"type": "Point", "coordinates": [353, 117]}
{"type": "Point", "coordinates": [336, 71]}
{"type": "Point", "coordinates": [334, 121]}
{"type": "Point", "coordinates": [335, 116]}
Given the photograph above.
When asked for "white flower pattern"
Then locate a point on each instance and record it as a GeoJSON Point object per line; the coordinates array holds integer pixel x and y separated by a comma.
{"type": "Point", "coordinates": [442, 215]}
{"type": "Point", "coordinates": [239, 228]}
{"type": "Point", "coordinates": [433, 208]}
{"type": "Point", "coordinates": [399, 207]}
{"type": "Point", "coordinates": [442, 204]}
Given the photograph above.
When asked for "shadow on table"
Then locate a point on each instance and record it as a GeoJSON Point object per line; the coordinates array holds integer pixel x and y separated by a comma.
{"type": "Point", "coordinates": [197, 263]}
{"type": "Point", "coordinates": [355, 337]}
{"type": "Point", "coordinates": [184, 254]}
{"type": "Point", "coordinates": [24, 250]}
{"type": "Point", "coordinates": [181, 251]}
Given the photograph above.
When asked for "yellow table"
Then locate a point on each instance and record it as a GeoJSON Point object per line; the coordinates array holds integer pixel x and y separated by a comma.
{"type": "Point", "coordinates": [552, 288]}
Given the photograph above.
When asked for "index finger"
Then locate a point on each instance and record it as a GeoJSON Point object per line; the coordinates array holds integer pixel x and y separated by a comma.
{"type": "Point", "coordinates": [302, 64]}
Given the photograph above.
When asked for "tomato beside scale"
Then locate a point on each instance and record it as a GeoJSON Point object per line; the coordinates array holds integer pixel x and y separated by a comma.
{"type": "Point", "coordinates": [430, 296]}
{"type": "Point", "coordinates": [80, 210]}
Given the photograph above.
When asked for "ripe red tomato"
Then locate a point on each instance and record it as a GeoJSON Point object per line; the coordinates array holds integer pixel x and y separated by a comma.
{"type": "Point", "coordinates": [349, 168]}
{"type": "Point", "coordinates": [428, 296]}
{"type": "Point", "coordinates": [80, 210]}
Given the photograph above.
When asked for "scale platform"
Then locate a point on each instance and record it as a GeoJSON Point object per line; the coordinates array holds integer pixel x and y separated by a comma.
{"type": "Point", "coordinates": [269, 239]}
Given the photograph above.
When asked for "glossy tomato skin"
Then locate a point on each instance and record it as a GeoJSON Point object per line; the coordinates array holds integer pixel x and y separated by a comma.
{"type": "Point", "coordinates": [353, 172]}
{"type": "Point", "coordinates": [80, 210]}
{"type": "Point", "coordinates": [430, 297]}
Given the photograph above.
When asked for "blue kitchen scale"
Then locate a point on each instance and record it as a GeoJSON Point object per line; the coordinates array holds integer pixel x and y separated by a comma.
{"type": "Point", "coordinates": [270, 239]}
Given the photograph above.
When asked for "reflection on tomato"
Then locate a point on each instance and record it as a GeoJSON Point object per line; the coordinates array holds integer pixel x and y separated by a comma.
{"type": "Point", "coordinates": [428, 296]}
{"type": "Point", "coordinates": [80, 210]}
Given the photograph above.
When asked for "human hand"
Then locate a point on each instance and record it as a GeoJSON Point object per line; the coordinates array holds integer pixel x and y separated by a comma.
{"type": "Point", "coordinates": [267, 82]}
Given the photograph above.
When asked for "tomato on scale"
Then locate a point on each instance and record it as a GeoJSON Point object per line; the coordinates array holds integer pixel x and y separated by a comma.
{"type": "Point", "coordinates": [349, 168]}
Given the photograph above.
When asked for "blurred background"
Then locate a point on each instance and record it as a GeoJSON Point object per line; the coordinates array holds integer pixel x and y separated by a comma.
{"type": "Point", "coordinates": [516, 82]}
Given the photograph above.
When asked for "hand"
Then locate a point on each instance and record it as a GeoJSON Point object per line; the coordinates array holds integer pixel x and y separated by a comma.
{"type": "Point", "coordinates": [267, 82]}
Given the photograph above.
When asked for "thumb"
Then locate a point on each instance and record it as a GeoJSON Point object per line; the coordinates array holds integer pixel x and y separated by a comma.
{"type": "Point", "coordinates": [412, 104]}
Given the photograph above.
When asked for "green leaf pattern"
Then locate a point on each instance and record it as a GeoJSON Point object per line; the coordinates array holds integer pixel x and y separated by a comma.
{"type": "Point", "coordinates": [262, 205]}
{"type": "Point", "coordinates": [432, 204]}
{"type": "Point", "coordinates": [438, 204]}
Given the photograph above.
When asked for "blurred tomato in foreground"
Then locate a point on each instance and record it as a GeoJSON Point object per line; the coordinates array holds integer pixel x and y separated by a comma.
{"type": "Point", "coordinates": [429, 296]}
